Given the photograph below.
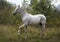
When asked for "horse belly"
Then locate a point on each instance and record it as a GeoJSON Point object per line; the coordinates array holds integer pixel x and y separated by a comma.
{"type": "Point", "coordinates": [35, 21]}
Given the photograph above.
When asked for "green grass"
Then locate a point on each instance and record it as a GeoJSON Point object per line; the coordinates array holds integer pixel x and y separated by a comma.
{"type": "Point", "coordinates": [8, 33]}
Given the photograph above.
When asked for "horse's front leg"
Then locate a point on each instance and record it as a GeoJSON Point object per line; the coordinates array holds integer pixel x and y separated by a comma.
{"type": "Point", "coordinates": [26, 32]}
{"type": "Point", "coordinates": [20, 28]}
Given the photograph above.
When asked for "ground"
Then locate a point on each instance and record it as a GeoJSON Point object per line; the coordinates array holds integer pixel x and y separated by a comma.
{"type": "Point", "coordinates": [8, 33]}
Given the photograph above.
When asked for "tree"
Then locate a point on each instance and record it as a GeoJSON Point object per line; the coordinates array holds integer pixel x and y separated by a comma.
{"type": "Point", "coordinates": [45, 7]}
{"type": "Point", "coordinates": [5, 12]}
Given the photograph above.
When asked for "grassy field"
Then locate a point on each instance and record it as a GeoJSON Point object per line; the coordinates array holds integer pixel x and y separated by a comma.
{"type": "Point", "coordinates": [8, 33]}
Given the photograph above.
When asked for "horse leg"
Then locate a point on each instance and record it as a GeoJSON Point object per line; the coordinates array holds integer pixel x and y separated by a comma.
{"type": "Point", "coordinates": [40, 30]}
{"type": "Point", "coordinates": [44, 30]}
{"type": "Point", "coordinates": [26, 31]}
{"type": "Point", "coordinates": [20, 28]}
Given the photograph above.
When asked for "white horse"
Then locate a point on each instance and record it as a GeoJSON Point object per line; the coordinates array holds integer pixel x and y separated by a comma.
{"type": "Point", "coordinates": [29, 19]}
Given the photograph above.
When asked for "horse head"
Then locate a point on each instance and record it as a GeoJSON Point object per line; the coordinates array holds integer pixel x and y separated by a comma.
{"type": "Point", "coordinates": [19, 10]}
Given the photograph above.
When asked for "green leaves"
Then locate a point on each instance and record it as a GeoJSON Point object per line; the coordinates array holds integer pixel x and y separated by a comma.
{"type": "Point", "coordinates": [45, 7]}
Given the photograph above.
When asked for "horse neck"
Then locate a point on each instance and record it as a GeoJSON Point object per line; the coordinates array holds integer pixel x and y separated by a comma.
{"type": "Point", "coordinates": [23, 13]}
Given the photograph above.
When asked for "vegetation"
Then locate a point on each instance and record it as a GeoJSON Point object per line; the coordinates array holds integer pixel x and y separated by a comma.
{"type": "Point", "coordinates": [9, 23]}
{"type": "Point", "coordinates": [41, 6]}
{"type": "Point", "coordinates": [45, 7]}
{"type": "Point", "coordinates": [6, 16]}
{"type": "Point", "coordinates": [9, 34]}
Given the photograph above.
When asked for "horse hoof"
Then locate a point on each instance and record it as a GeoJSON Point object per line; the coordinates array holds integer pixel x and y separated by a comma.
{"type": "Point", "coordinates": [18, 33]}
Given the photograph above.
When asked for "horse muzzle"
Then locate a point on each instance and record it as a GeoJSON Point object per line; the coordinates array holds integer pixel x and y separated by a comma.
{"type": "Point", "coordinates": [14, 14]}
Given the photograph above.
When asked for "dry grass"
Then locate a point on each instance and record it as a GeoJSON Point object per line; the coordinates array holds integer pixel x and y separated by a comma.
{"type": "Point", "coordinates": [9, 34]}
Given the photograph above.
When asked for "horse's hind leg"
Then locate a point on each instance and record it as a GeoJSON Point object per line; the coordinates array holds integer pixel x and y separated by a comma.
{"type": "Point", "coordinates": [44, 30]}
{"type": "Point", "coordinates": [40, 30]}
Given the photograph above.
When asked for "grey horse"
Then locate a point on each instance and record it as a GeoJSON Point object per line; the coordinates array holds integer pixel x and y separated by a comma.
{"type": "Point", "coordinates": [29, 19]}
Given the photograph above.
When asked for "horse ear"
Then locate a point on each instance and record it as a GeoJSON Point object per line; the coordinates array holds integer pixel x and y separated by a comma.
{"type": "Point", "coordinates": [18, 6]}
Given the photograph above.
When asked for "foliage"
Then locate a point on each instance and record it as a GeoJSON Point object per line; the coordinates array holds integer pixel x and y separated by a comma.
{"type": "Point", "coordinates": [6, 16]}
{"type": "Point", "coordinates": [8, 33]}
{"type": "Point", "coordinates": [38, 6]}
{"type": "Point", "coordinates": [45, 7]}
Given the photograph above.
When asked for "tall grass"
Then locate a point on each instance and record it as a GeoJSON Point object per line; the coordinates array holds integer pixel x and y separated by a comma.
{"type": "Point", "coordinates": [8, 33]}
